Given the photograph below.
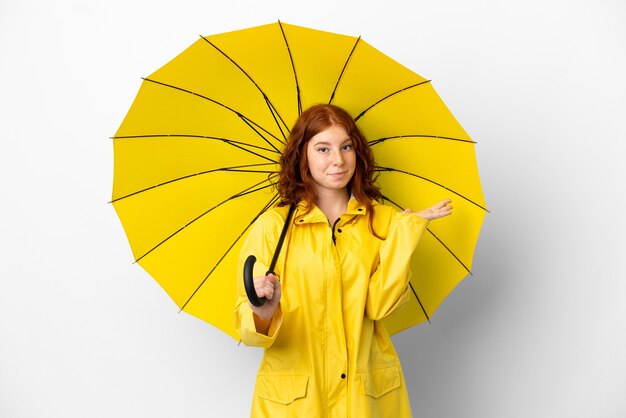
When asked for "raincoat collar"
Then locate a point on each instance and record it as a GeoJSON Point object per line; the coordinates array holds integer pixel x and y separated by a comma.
{"type": "Point", "coordinates": [316, 215]}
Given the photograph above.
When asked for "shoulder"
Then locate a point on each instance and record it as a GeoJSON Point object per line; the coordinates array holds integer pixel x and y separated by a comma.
{"type": "Point", "coordinates": [277, 213]}
{"type": "Point", "coordinates": [266, 228]}
{"type": "Point", "coordinates": [382, 216]}
{"type": "Point", "coordinates": [389, 217]}
{"type": "Point", "coordinates": [273, 218]}
{"type": "Point", "coordinates": [384, 213]}
{"type": "Point", "coordinates": [381, 209]}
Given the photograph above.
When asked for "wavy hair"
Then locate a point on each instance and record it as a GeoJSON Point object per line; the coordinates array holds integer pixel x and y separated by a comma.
{"type": "Point", "coordinates": [295, 183]}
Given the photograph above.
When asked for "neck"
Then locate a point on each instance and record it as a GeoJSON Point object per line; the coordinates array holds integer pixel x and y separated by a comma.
{"type": "Point", "coordinates": [333, 203]}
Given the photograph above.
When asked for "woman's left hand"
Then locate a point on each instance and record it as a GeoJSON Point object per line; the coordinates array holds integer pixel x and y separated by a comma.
{"type": "Point", "coordinates": [437, 211]}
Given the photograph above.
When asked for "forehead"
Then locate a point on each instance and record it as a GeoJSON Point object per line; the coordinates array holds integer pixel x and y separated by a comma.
{"type": "Point", "coordinates": [332, 134]}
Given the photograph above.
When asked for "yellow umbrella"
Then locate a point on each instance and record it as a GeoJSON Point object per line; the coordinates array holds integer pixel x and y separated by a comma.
{"type": "Point", "coordinates": [196, 157]}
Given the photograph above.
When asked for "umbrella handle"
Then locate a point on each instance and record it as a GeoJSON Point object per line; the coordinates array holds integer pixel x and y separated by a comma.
{"type": "Point", "coordinates": [248, 282]}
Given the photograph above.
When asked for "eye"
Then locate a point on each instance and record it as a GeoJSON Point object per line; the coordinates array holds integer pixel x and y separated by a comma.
{"type": "Point", "coordinates": [347, 147]}
{"type": "Point", "coordinates": [322, 150]}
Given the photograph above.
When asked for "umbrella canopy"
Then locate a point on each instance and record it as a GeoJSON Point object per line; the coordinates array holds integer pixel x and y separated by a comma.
{"type": "Point", "coordinates": [197, 154]}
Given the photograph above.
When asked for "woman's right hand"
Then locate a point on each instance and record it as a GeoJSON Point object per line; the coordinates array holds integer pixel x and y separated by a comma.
{"type": "Point", "coordinates": [269, 288]}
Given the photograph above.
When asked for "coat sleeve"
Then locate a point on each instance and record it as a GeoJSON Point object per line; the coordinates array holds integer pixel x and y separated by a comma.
{"type": "Point", "coordinates": [389, 284]}
{"type": "Point", "coordinates": [260, 242]}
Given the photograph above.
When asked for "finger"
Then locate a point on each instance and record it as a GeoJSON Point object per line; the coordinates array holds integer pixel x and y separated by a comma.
{"type": "Point", "coordinates": [259, 283]}
{"type": "Point", "coordinates": [266, 290]}
{"type": "Point", "coordinates": [442, 204]}
{"type": "Point", "coordinates": [274, 297]}
{"type": "Point", "coordinates": [276, 283]}
{"type": "Point", "coordinates": [442, 214]}
{"type": "Point", "coordinates": [270, 286]}
{"type": "Point", "coordinates": [262, 286]}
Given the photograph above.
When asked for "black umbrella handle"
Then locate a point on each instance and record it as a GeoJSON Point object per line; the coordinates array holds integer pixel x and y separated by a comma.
{"type": "Point", "coordinates": [248, 282]}
{"type": "Point", "coordinates": [248, 267]}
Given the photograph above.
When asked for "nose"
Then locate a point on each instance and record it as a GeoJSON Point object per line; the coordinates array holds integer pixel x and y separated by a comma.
{"type": "Point", "coordinates": [338, 160]}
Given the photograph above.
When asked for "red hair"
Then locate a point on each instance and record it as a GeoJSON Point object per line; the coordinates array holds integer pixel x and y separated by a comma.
{"type": "Point", "coordinates": [295, 183]}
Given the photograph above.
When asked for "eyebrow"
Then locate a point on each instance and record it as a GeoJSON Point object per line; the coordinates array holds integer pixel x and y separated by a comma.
{"type": "Point", "coordinates": [328, 143]}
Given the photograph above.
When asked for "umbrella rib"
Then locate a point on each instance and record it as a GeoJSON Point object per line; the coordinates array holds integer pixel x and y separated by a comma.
{"type": "Point", "coordinates": [293, 67]}
{"type": "Point", "coordinates": [266, 207]}
{"type": "Point", "coordinates": [249, 123]}
{"type": "Point", "coordinates": [345, 65]}
{"type": "Point", "coordinates": [244, 118]}
{"type": "Point", "coordinates": [437, 238]}
{"type": "Point", "coordinates": [394, 170]}
{"type": "Point", "coordinates": [274, 115]}
{"type": "Point", "coordinates": [420, 302]}
{"type": "Point", "coordinates": [390, 95]}
{"type": "Point", "coordinates": [235, 169]}
{"type": "Point", "coordinates": [244, 192]}
{"type": "Point", "coordinates": [236, 144]}
{"type": "Point", "coordinates": [268, 102]}
{"type": "Point", "coordinates": [447, 138]}
{"type": "Point", "coordinates": [450, 251]}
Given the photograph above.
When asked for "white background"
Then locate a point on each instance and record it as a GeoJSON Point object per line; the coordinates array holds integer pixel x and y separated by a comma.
{"type": "Point", "coordinates": [539, 330]}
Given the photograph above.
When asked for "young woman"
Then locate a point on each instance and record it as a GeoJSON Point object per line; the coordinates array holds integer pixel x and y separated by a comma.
{"type": "Point", "coordinates": [344, 267]}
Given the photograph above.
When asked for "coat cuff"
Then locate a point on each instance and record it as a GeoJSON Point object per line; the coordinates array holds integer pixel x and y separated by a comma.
{"type": "Point", "coordinates": [249, 334]}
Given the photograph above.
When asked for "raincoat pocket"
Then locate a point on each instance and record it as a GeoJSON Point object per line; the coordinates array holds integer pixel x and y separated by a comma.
{"type": "Point", "coordinates": [381, 380]}
{"type": "Point", "coordinates": [283, 389]}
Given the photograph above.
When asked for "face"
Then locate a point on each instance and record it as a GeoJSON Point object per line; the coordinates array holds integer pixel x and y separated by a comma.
{"type": "Point", "coordinates": [332, 158]}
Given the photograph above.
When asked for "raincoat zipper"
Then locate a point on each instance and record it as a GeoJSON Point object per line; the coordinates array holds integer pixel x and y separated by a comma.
{"type": "Point", "coordinates": [326, 371]}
